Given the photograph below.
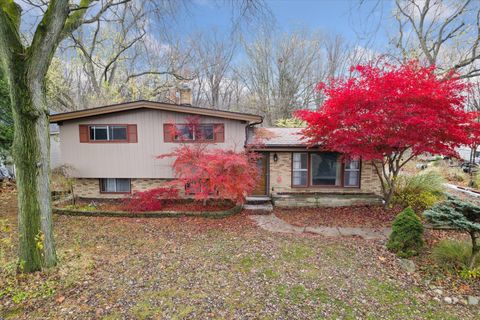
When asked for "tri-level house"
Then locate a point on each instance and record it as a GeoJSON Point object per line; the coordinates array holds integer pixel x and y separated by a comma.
{"type": "Point", "coordinates": [111, 151]}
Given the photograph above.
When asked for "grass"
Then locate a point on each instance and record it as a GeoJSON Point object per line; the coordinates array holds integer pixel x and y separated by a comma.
{"type": "Point", "coordinates": [453, 254]}
{"type": "Point", "coordinates": [192, 268]}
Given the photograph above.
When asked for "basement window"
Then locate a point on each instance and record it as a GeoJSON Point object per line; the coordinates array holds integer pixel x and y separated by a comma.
{"type": "Point", "coordinates": [115, 185]}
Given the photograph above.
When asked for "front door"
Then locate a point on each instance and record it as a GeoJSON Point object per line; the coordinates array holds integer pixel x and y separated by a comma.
{"type": "Point", "coordinates": [262, 184]}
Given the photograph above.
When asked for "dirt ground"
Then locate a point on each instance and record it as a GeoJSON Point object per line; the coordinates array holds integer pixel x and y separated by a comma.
{"type": "Point", "coordinates": [196, 268]}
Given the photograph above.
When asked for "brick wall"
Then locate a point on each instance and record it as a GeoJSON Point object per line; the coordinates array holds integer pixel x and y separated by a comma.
{"type": "Point", "coordinates": [90, 188]}
{"type": "Point", "coordinates": [281, 178]}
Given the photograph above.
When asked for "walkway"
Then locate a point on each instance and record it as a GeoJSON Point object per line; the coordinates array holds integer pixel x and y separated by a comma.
{"type": "Point", "coordinates": [274, 224]}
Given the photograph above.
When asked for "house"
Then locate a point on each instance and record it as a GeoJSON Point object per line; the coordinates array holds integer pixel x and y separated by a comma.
{"type": "Point", "coordinates": [465, 154]}
{"type": "Point", "coordinates": [112, 151]}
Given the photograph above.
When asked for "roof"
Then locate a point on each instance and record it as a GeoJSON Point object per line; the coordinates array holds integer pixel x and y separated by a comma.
{"type": "Point", "coordinates": [252, 118]}
{"type": "Point", "coordinates": [278, 137]}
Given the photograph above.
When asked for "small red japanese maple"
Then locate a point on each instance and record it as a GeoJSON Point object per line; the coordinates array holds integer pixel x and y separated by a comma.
{"type": "Point", "coordinates": [214, 173]}
{"type": "Point", "coordinates": [150, 200]}
{"type": "Point", "coordinates": [389, 115]}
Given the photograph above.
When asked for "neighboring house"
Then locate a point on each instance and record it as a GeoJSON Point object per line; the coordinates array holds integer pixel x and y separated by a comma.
{"type": "Point", "coordinates": [112, 151]}
{"type": "Point", "coordinates": [464, 153]}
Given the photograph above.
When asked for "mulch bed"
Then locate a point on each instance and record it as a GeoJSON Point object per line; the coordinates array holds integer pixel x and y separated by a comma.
{"type": "Point", "coordinates": [358, 216]}
{"type": "Point", "coordinates": [181, 206]}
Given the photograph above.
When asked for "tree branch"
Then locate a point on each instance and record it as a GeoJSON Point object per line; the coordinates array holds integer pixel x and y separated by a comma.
{"type": "Point", "coordinates": [10, 40]}
{"type": "Point", "coordinates": [46, 39]}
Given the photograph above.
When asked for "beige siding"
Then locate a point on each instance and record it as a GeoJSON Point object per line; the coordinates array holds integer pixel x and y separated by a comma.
{"type": "Point", "coordinates": [133, 160]}
{"type": "Point", "coordinates": [281, 178]}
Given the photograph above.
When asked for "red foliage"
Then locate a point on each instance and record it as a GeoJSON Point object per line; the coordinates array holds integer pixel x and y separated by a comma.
{"type": "Point", "coordinates": [149, 200]}
{"type": "Point", "coordinates": [388, 110]}
{"type": "Point", "coordinates": [473, 130]}
{"type": "Point", "coordinates": [220, 174]}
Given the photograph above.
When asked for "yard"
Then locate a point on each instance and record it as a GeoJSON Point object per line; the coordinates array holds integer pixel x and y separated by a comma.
{"type": "Point", "coordinates": [116, 268]}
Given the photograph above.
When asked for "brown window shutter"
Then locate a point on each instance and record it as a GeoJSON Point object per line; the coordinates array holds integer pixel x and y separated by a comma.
{"type": "Point", "coordinates": [132, 133]}
{"type": "Point", "coordinates": [168, 132]}
{"type": "Point", "coordinates": [219, 132]}
{"type": "Point", "coordinates": [83, 129]}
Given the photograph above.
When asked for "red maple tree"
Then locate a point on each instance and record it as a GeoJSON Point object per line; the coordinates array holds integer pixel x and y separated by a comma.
{"type": "Point", "coordinates": [207, 172]}
{"type": "Point", "coordinates": [389, 115]}
{"type": "Point", "coordinates": [214, 173]}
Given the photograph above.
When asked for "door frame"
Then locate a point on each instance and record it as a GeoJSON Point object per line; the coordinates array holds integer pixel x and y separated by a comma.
{"type": "Point", "coordinates": [265, 154]}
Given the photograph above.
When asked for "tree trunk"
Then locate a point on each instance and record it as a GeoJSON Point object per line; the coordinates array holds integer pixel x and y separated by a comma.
{"type": "Point", "coordinates": [388, 184]}
{"type": "Point", "coordinates": [475, 250]}
{"type": "Point", "coordinates": [32, 160]}
{"type": "Point", "coordinates": [472, 160]}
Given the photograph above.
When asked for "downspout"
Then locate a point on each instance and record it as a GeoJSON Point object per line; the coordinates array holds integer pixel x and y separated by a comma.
{"type": "Point", "coordinates": [250, 126]}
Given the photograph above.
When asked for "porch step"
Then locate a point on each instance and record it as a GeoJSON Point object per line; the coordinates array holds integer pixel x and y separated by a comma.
{"type": "Point", "coordinates": [258, 207]}
{"type": "Point", "coordinates": [258, 200]}
{"type": "Point", "coordinates": [258, 203]}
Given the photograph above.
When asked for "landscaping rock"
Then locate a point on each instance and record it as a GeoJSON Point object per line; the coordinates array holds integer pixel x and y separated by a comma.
{"type": "Point", "coordinates": [448, 300]}
{"type": "Point", "coordinates": [408, 265]}
{"type": "Point", "coordinates": [473, 301]}
{"type": "Point", "coordinates": [438, 292]}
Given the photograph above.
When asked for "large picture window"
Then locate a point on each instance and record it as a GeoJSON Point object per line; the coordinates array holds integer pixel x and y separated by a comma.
{"type": "Point", "coordinates": [324, 169]}
{"type": "Point", "coordinates": [115, 185]}
{"type": "Point", "coordinates": [108, 133]}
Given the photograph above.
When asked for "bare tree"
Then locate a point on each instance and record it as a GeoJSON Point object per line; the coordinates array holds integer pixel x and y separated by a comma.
{"type": "Point", "coordinates": [445, 33]}
{"type": "Point", "coordinates": [213, 58]}
{"type": "Point", "coordinates": [281, 73]}
{"type": "Point", "coordinates": [115, 60]}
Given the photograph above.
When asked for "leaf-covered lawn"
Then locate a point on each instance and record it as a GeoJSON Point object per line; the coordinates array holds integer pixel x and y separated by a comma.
{"type": "Point", "coordinates": [193, 268]}
{"type": "Point", "coordinates": [358, 216]}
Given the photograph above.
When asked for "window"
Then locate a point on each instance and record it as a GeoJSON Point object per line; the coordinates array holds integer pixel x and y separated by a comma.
{"type": "Point", "coordinates": [326, 169]}
{"type": "Point", "coordinates": [202, 132]}
{"type": "Point", "coordinates": [205, 132]}
{"type": "Point", "coordinates": [108, 133]}
{"type": "Point", "coordinates": [300, 169]}
{"type": "Point", "coordinates": [183, 132]}
{"type": "Point", "coordinates": [352, 173]}
{"type": "Point", "coordinates": [311, 169]}
{"type": "Point", "coordinates": [115, 185]}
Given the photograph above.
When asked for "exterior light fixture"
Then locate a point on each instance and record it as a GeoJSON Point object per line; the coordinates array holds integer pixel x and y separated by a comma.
{"type": "Point", "coordinates": [275, 157]}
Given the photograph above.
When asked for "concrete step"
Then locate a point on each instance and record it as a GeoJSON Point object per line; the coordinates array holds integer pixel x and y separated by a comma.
{"type": "Point", "coordinates": [258, 207]}
{"type": "Point", "coordinates": [258, 200]}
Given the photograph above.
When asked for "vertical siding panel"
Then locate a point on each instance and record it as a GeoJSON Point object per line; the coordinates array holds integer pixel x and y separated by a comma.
{"type": "Point", "coordinates": [133, 160]}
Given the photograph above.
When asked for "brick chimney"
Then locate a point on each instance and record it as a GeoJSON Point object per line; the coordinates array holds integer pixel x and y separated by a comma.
{"type": "Point", "coordinates": [181, 94]}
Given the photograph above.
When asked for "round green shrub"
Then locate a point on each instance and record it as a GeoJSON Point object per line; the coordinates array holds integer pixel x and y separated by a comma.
{"type": "Point", "coordinates": [406, 239]}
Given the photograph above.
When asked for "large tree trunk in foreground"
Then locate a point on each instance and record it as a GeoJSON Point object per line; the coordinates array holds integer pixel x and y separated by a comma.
{"type": "Point", "coordinates": [31, 154]}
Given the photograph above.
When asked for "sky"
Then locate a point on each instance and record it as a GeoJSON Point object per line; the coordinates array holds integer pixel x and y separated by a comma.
{"type": "Point", "coordinates": [343, 17]}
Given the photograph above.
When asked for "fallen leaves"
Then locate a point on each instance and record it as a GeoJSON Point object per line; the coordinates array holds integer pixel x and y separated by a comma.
{"type": "Point", "coordinates": [354, 216]}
